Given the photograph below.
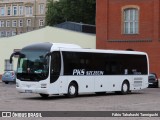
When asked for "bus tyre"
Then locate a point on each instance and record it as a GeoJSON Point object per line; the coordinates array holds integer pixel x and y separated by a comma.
{"type": "Point", "coordinates": [44, 95]}
{"type": "Point", "coordinates": [125, 88]}
{"type": "Point", "coordinates": [72, 90]}
{"type": "Point", "coordinates": [6, 82]}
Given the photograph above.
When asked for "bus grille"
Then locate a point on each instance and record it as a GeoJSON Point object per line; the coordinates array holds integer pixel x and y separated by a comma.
{"type": "Point", "coordinates": [137, 83]}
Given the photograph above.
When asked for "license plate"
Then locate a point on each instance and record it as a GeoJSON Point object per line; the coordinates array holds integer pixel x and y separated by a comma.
{"type": "Point", "coordinates": [28, 91]}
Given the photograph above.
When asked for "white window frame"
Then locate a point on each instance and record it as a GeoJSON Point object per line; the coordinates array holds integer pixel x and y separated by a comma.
{"type": "Point", "coordinates": [41, 22]}
{"type": "Point", "coordinates": [14, 23]}
{"type": "Point", "coordinates": [8, 66]}
{"type": "Point", "coordinates": [2, 33]}
{"type": "Point", "coordinates": [8, 10]}
{"type": "Point", "coordinates": [28, 10]}
{"type": "Point", "coordinates": [14, 33]}
{"type": "Point", "coordinates": [131, 21]}
{"type": "Point", "coordinates": [2, 11]}
{"type": "Point", "coordinates": [15, 10]}
{"type": "Point", "coordinates": [21, 23]}
{"type": "Point", "coordinates": [1, 23]}
{"type": "Point", "coordinates": [20, 10]}
{"type": "Point", "coordinates": [8, 23]}
{"type": "Point", "coordinates": [41, 8]}
{"type": "Point", "coordinates": [8, 34]}
{"type": "Point", "coordinates": [29, 22]}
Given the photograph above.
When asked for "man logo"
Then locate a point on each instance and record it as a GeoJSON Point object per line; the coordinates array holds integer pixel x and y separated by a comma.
{"type": "Point", "coordinates": [6, 114]}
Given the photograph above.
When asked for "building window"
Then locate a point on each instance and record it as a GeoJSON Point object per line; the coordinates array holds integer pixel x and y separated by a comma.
{"type": "Point", "coordinates": [2, 11]}
{"type": "Point", "coordinates": [14, 33]}
{"type": "Point", "coordinates": [8, 34]}
{"type": "Point", "coordinates": [20, 10]}
{"type": "Point", "coordinates": [8, 23]}
{"type": "Point", "coordinates": [131, 24]}
{"type": "Point", "coordinates": [2, 23]}
{"type": "Point", "coordinates": [2, 34]}
{"type": "Point", "coordinates": [29, 10]}
{"type": "Point", "coordinates": [14, 10]}
{"type": "Point", "coordinates": [20, 23]}
{"type": "Point", "coordinates": [28, 22]}
{"type": "Point", "coordinates": [41, 8]}
{"type": "Point", "coordinates": [8, 66]}
{"type": "Point", "coordinates": [41, 22]}
{"type": "Point", "coordinates": [8, 10]}
{"type": "Point", "coordinates": [14, 23]}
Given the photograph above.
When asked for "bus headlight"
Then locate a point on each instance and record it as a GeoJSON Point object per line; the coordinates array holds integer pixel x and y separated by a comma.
{"type": "Point", "coordinates": [43, 85]}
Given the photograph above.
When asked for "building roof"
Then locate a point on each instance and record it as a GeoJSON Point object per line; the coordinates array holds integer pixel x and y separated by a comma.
{"type": "Point", "coordinates": [79, 27]}
{"type": "Point", "coordinates": [53, 34]}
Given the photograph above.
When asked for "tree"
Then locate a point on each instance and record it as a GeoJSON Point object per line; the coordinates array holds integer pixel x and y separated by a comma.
{"type": "Point", "coordinates": [70, 10]}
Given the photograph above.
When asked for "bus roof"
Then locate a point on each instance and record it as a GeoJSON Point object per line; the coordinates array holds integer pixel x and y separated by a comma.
{"type": "Point", "coordinates": [104, 51]}
{"type": "Point", "coordinates": [77, 48]}
{"type": "Point", "coordinates": [65, 45]}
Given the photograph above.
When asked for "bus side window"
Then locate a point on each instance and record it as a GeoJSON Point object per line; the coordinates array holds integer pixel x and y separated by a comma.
{"type": "Point", "coordinates": [113, 68]}
{"type": "Point", "coordinates": [55, 66]}
{"type": "Point", "coordinates": [107, 70]}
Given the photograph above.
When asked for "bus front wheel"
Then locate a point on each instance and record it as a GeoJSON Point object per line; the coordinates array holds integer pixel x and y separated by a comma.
{"type": "Point", "coordinates": [125, 88]}
{"type": "Point", "coordinates": [72, 90]}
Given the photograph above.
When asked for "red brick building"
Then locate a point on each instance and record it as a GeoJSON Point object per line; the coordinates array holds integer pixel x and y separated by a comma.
{"type": "Point", "coordinates": [130, 24]}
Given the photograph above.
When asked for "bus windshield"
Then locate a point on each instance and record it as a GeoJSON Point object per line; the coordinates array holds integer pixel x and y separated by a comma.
{"type": "Point", "coordinates": [32, 66]}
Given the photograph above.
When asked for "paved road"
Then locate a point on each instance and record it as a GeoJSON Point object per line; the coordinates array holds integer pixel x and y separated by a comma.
{"type": "Point", "coordinates": [144, 100]}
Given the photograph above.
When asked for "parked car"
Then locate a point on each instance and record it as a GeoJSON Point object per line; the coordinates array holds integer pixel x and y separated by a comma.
{"type": "Point", "coordinates": [153, 80]}
{"type": "Point", "coordinates": [9, 76]}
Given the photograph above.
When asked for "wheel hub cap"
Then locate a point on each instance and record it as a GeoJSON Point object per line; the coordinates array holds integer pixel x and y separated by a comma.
{"type": "Point", "coordinates": [72, 90]}
{"type": "Point", "coordinates": [125, 87]}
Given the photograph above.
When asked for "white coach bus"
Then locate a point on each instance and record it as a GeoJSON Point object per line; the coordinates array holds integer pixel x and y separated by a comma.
{"type": "Point", "coordinates": [68, 69]}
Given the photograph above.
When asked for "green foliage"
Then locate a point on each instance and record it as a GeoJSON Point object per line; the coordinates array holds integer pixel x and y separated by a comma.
{"type": "Point", "coordinates": [70, 10]}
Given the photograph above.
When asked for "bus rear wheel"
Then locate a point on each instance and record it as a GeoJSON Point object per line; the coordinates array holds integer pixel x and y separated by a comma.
{"type": "Point", "coordinates": [44, 95]}
{"type": "Point", "coordinates": [125, 88]}
{"type": "Point", "coordinates": [72, 90]}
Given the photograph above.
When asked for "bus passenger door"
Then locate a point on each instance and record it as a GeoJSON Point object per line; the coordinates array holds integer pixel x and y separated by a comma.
{"type": "Point", "coordinates": [55, 70]}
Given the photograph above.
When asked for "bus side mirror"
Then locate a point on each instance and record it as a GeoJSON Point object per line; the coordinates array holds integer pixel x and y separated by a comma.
{"type": "Point", "coordinates": [47, 55]}
{"type": "Point", "coordinates": [13, 54]}
{"type": "Point", "coordinates": [11, 60]}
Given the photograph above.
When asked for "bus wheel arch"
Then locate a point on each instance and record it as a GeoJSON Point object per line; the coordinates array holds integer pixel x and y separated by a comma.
{"type": "Point", "coordinates": [125, 88]}
{"type": "Point", "coordinates": [72, 89]}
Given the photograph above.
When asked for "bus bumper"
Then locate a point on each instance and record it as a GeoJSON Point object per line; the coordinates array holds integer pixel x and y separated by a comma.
{"type": "Point", "coordinates": [32, 87]}
{"type": "Point", "coordinates": [37, 90]}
